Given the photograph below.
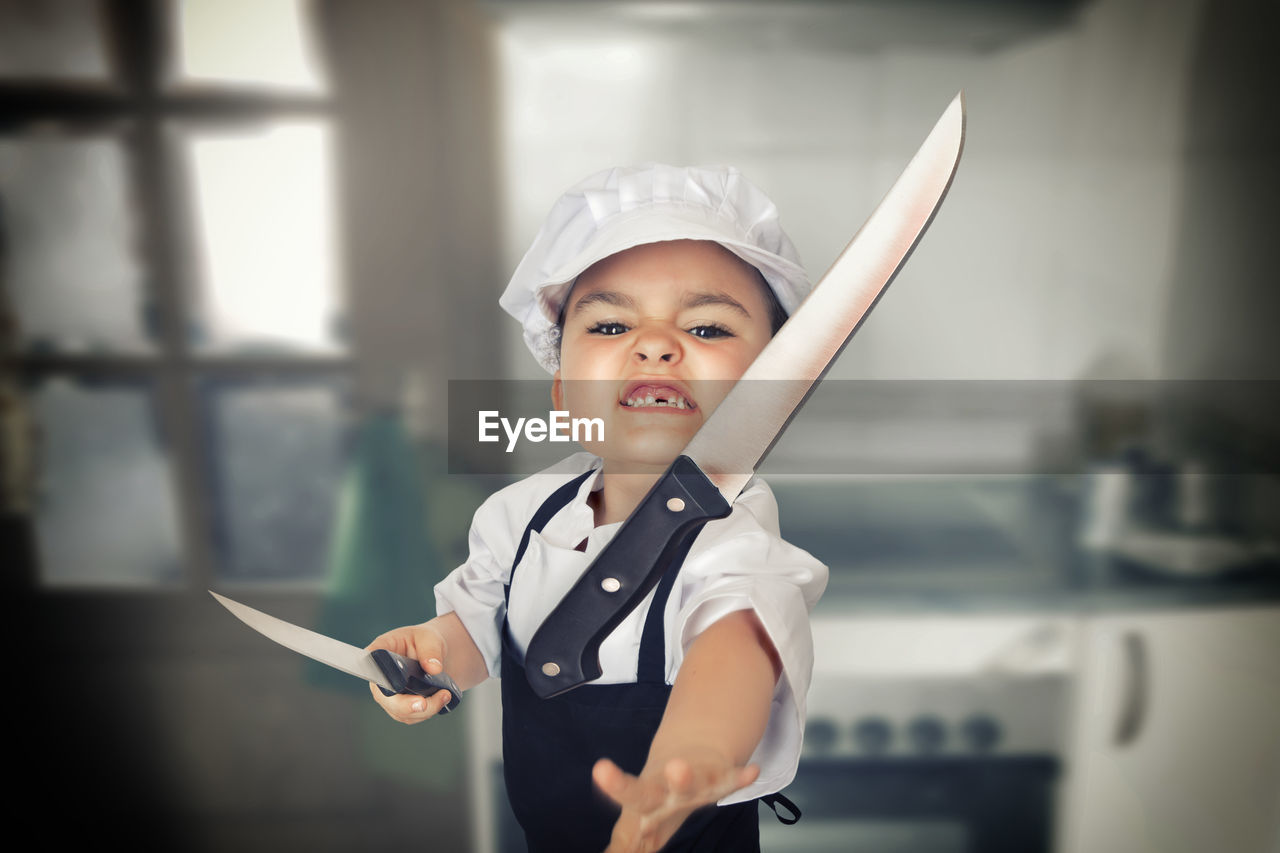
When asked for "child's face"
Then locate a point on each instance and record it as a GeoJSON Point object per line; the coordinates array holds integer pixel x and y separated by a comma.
{"type": "Point", "coordinates": [654, 337]}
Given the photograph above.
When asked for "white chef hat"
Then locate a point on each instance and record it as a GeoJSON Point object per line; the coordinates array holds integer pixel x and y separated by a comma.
{"type": "Point", "coordinates": [619, 208]}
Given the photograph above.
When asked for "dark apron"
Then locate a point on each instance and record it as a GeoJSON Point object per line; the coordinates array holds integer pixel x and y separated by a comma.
{"type": "Point", "coordinates": [549, 746]}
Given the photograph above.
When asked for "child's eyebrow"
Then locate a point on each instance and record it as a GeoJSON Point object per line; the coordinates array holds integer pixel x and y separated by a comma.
{"type": "Point", "coordinates": [608, 297]}
{"type": "Point", "coordinates": [697, 300]}
{"type": "Point", "coordinates": [693, 300]}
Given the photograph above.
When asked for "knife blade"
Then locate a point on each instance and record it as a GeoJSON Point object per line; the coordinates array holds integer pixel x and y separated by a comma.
{"type": "Point", "coordinates": [392, 673]}
{"type": "Point", "coordinates": [720, 459]}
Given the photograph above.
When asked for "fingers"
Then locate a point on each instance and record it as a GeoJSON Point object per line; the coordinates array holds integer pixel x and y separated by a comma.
{"type": "Point", "coordinates": [619, 785]}
{"type": "Point", "coordinates": [654, 806]}
{"type": "Point", "coordinates": [425, 645]}
{"type": "Point", "coordinates": [689, 784]}
{"type": "Point", "coordinates": [680, 785]}
{"type": "Point", "coordinates": [418, 642]}
{"type": "Point", "coordinates": [741, 777]}
{"type": "Point", "coordinates": [679, 776]}
{"type": "Point", "coordinates": [408, 708]}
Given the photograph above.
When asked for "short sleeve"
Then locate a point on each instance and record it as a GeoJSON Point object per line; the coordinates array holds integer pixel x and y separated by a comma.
{"type": "Point", "coordinates": [474, 590]}
{"type": "Point", "coordinates": [746, 565]}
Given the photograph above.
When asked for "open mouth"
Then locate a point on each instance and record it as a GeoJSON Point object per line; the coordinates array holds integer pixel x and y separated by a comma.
{"type": "Point", "coordinates": [649, 395]}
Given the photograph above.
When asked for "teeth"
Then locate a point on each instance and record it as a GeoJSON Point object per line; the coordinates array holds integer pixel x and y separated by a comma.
{"type": "Point", "coordinates": [651, 401]}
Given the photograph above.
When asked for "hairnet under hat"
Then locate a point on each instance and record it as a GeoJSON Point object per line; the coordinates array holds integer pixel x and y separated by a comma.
{"type": "Point", "coordinates": [620, 208]}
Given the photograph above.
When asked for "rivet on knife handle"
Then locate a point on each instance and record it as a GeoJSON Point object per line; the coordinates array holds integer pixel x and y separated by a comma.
{"type": "Point", "coordinates": [565, 651]}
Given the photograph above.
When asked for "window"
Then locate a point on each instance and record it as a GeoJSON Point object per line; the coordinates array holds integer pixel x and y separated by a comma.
{"type": "Point", "coordinates": [170, 262]}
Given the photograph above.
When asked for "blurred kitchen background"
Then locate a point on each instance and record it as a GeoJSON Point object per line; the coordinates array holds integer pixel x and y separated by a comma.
{"type": "Point", "coordinates": [246, 245]}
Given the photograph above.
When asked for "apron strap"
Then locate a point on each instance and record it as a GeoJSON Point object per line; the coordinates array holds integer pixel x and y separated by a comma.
{"type": "Point", "coordinates": [559, 499]}
{"type": "Point", "coordinates": [651, 668]}
{"type": "Point", "coordinates": [775, 800]}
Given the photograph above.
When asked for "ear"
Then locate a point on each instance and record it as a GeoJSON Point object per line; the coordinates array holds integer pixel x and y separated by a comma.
{"type": "Point", "coordinates": [557, 392]}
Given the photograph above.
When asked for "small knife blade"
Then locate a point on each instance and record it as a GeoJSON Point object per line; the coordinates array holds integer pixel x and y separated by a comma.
{"type": "Point", "coordinates": [722, 456]}
{"type": "Point", "coordinates": [392, 673]}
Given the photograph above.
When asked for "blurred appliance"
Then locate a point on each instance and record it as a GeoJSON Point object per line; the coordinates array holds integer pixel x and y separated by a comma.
{"type": "Point", "coordinates": [1181, 520]}
{"type": "Point", "coordinates": [932, 735]}
{"type": "Point", "coordinates": [937, 542]}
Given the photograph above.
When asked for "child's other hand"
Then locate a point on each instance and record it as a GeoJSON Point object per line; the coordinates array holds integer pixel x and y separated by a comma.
{"type": "Point", "coordinates": [424, 644]}
{"type": "Point", "coordinates": [655, 803]}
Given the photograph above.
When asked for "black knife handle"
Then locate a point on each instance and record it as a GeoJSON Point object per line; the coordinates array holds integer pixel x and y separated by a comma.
{"type": "Point", "coordinates": [407, 676]}
{"type": "Point", "coordinates": [565, 650]}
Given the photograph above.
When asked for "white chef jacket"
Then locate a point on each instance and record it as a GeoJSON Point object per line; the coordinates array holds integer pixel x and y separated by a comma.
{"type": "Point", "coordinates": [736, 563]}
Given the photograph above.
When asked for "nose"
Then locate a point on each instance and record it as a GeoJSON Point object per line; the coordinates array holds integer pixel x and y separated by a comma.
{"type": "Point", "coordinates": [657, 343]}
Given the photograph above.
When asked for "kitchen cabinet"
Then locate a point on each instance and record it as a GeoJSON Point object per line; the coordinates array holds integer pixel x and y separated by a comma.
{"type": "Point", "coordinates": [1176, 745]}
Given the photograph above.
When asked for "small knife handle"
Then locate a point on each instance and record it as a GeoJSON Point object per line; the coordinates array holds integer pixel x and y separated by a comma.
{"type": "Point", "coordinates": [565, 650]}
{"type": "Point", "coordinates": [407, 676]}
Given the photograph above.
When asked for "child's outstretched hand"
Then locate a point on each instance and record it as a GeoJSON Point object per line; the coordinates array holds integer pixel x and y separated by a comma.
{"type": "Point", "coordinates": [655, 803]}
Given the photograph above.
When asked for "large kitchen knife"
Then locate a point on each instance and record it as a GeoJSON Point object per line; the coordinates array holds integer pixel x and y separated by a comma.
{"type": "Point", "coordinates": [392, 673]}
{"type": "Point", "coordinates": [704, 481]}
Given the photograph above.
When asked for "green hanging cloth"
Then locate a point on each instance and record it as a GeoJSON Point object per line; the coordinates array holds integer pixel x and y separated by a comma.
{"type": "Point", "coordinates": [383, 563]}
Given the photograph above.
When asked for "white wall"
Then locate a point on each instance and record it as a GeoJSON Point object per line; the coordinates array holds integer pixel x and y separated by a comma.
{"type": "Point", "coordinates": [1051, 256]}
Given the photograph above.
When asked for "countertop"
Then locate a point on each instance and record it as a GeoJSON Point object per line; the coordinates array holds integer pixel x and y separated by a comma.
{"type": "Point", "coordinates": [1096, 584]}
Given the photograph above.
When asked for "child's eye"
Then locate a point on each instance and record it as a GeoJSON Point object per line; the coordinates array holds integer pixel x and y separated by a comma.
{"type": "Point", "coordinates": [607, 328]}
{"type": "Point", "coordinates": [711, 330]}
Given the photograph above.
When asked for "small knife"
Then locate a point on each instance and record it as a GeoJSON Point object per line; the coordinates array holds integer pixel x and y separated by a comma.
{"type": "Point", "coordinates": [392, 673]}
{"type": "Point", "coordinates": [706, 479]}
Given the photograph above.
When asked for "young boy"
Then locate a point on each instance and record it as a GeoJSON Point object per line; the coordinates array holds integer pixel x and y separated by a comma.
{"type": "Point", "coordinates": [647, 292]}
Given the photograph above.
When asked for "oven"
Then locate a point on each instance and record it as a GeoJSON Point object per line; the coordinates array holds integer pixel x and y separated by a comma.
{"type": "Point", "coordinates": [925, 805]}
{"type": "Point", "coordinates": [930, 734]}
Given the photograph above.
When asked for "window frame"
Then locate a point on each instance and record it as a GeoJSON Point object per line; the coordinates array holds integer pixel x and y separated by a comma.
{"type": "Point", "coordinates": [139, 107]}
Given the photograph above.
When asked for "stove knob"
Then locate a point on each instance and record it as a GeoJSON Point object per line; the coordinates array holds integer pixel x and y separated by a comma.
{"type": "Point", "coordinates": [928, 734]}
{"type": "Point", "coordinates": [873, 735]}
{"type": "Point", "coordinates": [982, 732]}
{"type": "Point", "coordinates": [820, 735]}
